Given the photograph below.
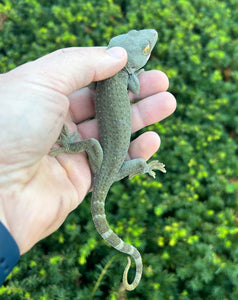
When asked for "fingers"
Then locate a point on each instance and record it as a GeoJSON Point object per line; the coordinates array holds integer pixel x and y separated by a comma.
{"type": "Point", "coordinates": [144, 146]}
{"type": "Point", "coordinates": [69, 69]}
{"type": "Point", "coordinates": [151, 82]}
{"type": "Point", "coordinates": [145, 112]}
{"type": "Point", "coordinates": [152, 110]}
{"type": "Point", "coordinates": [82, 105]}
{"type": "Point", "coordinates": [82, 101]}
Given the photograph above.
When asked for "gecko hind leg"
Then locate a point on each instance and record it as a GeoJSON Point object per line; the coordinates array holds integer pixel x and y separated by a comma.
{"type": "Point", "coordinates": [138, 166]}
{"type": "Point", "coordinates": [68, 145]}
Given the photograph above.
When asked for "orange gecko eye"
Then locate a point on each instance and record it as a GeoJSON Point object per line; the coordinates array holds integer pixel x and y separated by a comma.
{"type": "Point", "coordinates": [147, 49]}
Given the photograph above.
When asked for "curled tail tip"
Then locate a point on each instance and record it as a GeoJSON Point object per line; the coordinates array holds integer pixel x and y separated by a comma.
{"type": "Point", "coordinates": [134, 284]}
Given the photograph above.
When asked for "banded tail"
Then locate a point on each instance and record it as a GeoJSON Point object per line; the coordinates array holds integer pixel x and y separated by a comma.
{"type": "Point", "coordinates": [100, 222]}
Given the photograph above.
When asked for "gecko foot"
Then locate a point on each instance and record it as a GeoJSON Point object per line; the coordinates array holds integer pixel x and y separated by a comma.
{"type": "Point", "coordinates": [64, 140]}
{"type": "Point", "coordinates": [149, 168]}
{"type": "Point", "coordinates": [155, 165]}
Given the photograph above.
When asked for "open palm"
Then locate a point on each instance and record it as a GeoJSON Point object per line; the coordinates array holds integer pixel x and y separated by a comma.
{"type": "Point", "coordinates": [38, 191]}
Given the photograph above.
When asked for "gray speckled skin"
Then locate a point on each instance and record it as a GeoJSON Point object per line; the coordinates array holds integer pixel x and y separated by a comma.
{"type": "Point", "coordinates": [107, 160]}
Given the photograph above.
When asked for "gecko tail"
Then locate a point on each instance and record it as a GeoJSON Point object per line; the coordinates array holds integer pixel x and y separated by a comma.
{"type": "Point", "coordinates": [103, 228]}
{"type": "Point", "coordinates": [137, 278]}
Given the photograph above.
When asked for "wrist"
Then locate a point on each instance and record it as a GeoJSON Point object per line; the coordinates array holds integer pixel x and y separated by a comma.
{"type": "Point", "coordinates": [9, 252]}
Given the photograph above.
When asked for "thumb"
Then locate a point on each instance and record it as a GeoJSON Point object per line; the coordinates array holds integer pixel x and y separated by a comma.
{"type": "Point", "coordinates": [69, 69]}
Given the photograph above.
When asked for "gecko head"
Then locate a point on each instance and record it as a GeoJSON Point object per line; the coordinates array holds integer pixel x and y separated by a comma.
{"type": "Point", "coordinates": [138, 45]}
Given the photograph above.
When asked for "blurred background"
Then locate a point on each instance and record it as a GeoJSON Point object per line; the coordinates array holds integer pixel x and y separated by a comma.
{"type": "Point", "coordinates": [185, 223]}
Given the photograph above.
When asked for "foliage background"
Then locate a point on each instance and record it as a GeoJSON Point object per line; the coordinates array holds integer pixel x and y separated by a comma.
{"type": "Point", "coordinates": [185, 223]}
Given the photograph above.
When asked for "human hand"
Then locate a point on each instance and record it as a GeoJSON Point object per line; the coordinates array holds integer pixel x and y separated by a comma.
{"type": "Point", "coordinates": [38, 191]}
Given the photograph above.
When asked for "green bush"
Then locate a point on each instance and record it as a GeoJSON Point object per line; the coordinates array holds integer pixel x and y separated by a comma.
{"type": "Point", "coordinates": [185, 222]}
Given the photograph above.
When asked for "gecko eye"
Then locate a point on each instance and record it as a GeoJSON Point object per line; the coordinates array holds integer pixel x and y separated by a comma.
{"type": "Point", "coordinates": [147, 49]}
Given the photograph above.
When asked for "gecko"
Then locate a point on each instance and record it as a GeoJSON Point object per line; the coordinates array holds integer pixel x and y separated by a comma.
{"type": "Point", "coordinates": [107, 158]}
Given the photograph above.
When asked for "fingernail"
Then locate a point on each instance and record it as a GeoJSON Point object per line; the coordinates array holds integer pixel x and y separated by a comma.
{"type": "Point", "coordinates": [116, 52]}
